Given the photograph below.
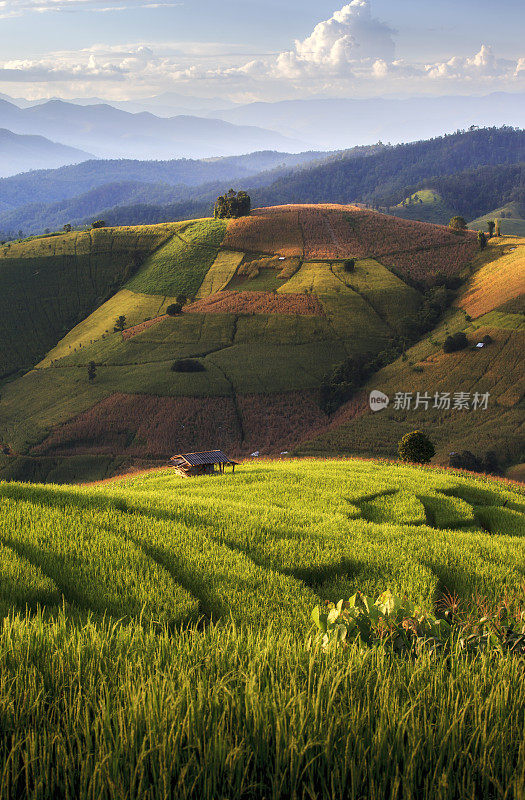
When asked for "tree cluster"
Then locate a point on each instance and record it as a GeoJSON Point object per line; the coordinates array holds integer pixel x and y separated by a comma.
{"type": "Point", "coordinates": [416, 447]}
{"type": "Point", "coordinates": [233, 205]}
{"type": "Point", "coordinates": [487, 464]}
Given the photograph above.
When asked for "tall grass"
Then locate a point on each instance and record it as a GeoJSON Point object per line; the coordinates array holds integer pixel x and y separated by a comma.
{"type": "Point", "coordinates": [170, 659]}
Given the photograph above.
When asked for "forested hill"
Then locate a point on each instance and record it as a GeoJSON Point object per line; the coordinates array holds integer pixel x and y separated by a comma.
{"type": "Point", "coordinates": [382, 179]}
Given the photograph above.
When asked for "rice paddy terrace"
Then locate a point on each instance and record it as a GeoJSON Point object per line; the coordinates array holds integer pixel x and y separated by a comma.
{"type": "Point", "coordinates": [155, 636]}
{"type": "Point", "coordinates": [272, 311]}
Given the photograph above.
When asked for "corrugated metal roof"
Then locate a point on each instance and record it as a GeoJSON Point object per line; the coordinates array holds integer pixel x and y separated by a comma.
{"type": "Point", "coordinates": [208, 457]}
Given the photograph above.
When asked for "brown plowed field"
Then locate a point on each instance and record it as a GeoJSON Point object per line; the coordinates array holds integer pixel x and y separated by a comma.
{"type": "Point", "coordinates": [257, 303]}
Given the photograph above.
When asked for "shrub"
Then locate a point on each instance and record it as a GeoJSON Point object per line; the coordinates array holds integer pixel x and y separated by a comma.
{"type": "Point", "coordinates": [455, 343]}
{"type": "Point", "coordinates": [416, 447]}
{"type": "Point", "coordinates": [187, 365]}
{"type": "Point", "coordinates": [174, 309]}
{"type": "Point", "coordinates": [482, 240]}
{"type": "Point", "coordinates": [457, 224]}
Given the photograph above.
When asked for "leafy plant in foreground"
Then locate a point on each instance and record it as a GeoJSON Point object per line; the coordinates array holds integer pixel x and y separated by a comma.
{"type": "Point", "coordinates": [407, 629]}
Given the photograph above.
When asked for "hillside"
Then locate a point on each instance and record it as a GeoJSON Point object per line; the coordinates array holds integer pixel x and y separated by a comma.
{"type": "Point", "coordinates": [179, 613]}
{"type": "Point", "coordinates": [23, 153]}
{"type": "Point", "coordinates": [50, 284]}
{"type": "Point", "coordinates": [425, 205]}
{"type": "Point", "coordinates": [384, 177]}
{"type": "Point", "coordinates": [511, 218]}
{"type": "Point", "coordinates": [272, 313]}
{"type": "Point", "coordinates": [492, 302]}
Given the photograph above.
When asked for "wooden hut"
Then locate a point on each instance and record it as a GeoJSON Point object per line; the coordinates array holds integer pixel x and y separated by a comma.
{"type": "Point", "coordinates": [207, 463]}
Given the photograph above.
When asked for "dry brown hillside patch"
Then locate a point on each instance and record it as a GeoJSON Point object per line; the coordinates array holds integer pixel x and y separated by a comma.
{"type": "Point", "coordinates": [257, 303]}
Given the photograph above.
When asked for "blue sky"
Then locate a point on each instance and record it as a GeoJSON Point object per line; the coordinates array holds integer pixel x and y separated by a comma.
{"type": "Point", "coordinates": [260, 49]}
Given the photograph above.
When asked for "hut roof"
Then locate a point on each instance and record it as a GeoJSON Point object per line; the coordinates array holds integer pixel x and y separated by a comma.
{"type": "Point", "coordinates": [207, 457]}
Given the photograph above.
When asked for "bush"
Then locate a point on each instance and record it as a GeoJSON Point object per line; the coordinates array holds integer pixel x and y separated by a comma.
{"type": "Point", "coordinates": [187, 365]}
{"type": "Point", "coordinates": [455, 343]}
{"type": "Point", "coordinates": [174, 309]}
{"type": "Point", "coordinates": [416, 448]}
{"type": "Point", "coordinates": [457, 224]}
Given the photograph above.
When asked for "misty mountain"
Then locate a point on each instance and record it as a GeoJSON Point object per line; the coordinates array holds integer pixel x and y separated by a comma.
{"type": "Point", "coordinates": [340, 123]}
{"type": "Point", "coordinates": [109, 132]}
{"type": "Point", "coordinates": [59, 184]}
{"type": "Point", "coordinates": [35, 201]}
{"type": "Point", "coordinates": [19, 153]}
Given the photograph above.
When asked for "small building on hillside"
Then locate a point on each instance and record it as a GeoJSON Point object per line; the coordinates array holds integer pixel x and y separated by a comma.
{"type": "Point", "coordinates": [207, 463]}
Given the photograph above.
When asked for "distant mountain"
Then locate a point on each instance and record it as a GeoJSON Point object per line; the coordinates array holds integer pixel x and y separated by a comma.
{"type": "Point", "coordinates": [111, 133]}
{"type": "Point", "coordinates": [167, 104]}
{"type": "Point", "coordinates": [21, 153]}
{"type": "Point", "coordinates": [341, 123]}
{"type": "Point", "coordinates": [44, 199]}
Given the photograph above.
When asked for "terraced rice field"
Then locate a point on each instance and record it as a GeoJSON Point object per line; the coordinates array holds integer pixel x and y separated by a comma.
{"type": "Point", "coordinates": [173, 646]}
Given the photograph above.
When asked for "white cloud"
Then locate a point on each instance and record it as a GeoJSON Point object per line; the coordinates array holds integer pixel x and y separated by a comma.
{"type": "Point", "coordinates": [20, 8]}
{"type": "Point", "coordinates": [350, 54]}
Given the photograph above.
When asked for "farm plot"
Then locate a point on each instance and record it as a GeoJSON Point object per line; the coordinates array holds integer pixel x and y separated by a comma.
{"type": "Point", "coordinates": [181, 265]}
{"type": "Point", "coordinates": [220, 273]}
{"type": "Point", "coordinates": [48, 285]}
{"type": "Point", "coordinates": [499, 279]}
{"type": "Point", "coordinates": [257, 303]}
{"type": "Point", "coordinates": [267, 230]}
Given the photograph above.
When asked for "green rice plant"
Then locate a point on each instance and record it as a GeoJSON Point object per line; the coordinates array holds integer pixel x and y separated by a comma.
{"type": "Point", "coordinates": [401, 507]}
{"type": "Point", "coordinates": [501, 520]}
{"type": "Point", "coordinates": [93, 567]}
{"type": "Point", "coordinates": [447, 512]}
{"type": "Point", "coordinates": [24, 584]}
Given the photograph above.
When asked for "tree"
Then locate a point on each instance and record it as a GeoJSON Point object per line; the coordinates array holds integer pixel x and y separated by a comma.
{"type": "Point", "coordinates": [233, 205]}
{"type": "Point", "coordinates": [482, 240]}
{"type": "Point", "coordinates": [182, 299]}
{"type": "Point", "coordinates": [491, 225]}
{"type": "Point", "coordinates": [416, 447]}
{"type": "Point", "coordinates": [458, 224]}
{"type": "Point", "coordinates": [120, 323]}
{"type": "Point", "coordinates": [174, 309]}
{"type": "Point", "coordinates": [349, 265]}
{"type": "Point", "coordinates": [453, 344]}
{"type": "Point", "coordinates": [92, 371]}
{"type": "Point", "coordinates": [67, 228]}
{"type": "Point", "coordinates": [99, 223]}
{"type": "Point", "coordinates": [497, 231]}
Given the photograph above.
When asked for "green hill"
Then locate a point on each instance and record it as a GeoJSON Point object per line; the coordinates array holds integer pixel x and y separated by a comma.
{"type": "Point", "coordinates": [272, 313]}
{"type": "Point", "coordinates": [157, 635]}
{"type": "Point", "coordinates": [425, 205]}
{"type": "Point", "coordinates": [511, 218]}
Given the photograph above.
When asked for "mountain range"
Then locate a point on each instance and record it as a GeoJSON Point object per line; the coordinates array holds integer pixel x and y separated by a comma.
{"type": "Point", "coordinates": [19, 153]}
{"type": "Point", "coordinates": [108, 132]}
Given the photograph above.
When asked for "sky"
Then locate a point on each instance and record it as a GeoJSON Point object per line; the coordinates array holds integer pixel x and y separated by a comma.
{"type": "Point", "coordinates": [260, 49]}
